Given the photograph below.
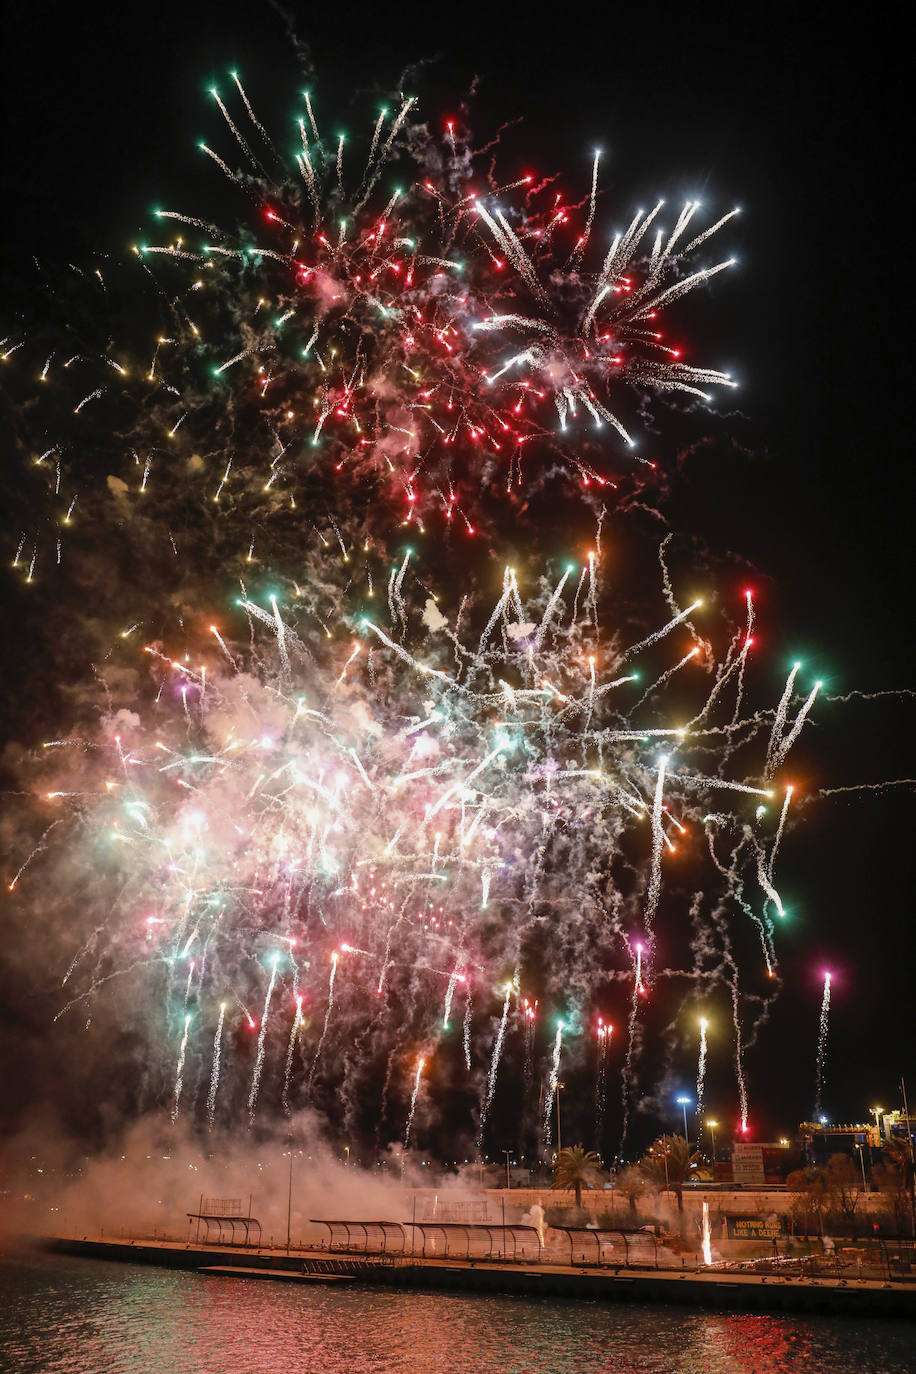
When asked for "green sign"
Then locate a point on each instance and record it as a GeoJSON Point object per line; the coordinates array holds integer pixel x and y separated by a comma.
{"type": "Point", "coordinates": [755, 1228]}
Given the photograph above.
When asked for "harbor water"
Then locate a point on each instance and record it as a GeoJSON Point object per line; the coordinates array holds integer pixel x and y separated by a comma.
{"type": "Point", "coordinates": [66, 1315]}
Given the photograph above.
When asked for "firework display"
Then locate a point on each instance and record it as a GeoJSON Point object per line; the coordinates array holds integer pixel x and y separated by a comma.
{"type": "Point", "coordinates": [385, 775]}
{"type": "Point", "coordinates": [822, 1046]}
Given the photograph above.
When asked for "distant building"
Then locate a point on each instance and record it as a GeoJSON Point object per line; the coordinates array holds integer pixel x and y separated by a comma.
{"type": "Point", "coordinates": [759, 1165]}
{"type": "Point", "coordinates": [821, 1139]}
{"type": "Point", "coordinates": [895, 1124]}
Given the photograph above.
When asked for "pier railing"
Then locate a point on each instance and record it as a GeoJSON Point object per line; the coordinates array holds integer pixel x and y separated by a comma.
{"type": "Point", "coordinates": [434, 1239]}
{"type": "Point", "coordinates": [890, 1261]}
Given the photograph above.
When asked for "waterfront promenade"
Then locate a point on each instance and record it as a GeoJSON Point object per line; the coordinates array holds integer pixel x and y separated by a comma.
{"type": "Point", "coordinates": [687, 1285]}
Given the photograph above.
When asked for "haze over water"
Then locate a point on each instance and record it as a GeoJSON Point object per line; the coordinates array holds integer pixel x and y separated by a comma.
{"type": "Point", "coordinates": [69, 1316]}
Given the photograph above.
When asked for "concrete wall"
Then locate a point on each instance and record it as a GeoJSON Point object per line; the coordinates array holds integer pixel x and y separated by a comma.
{"type": "Point", "coordinates": [456, 1204]}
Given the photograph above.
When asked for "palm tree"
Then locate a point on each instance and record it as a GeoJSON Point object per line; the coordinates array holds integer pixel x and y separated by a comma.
{"type": "Point", "coordinates": [576, 1168]}
{"type": "Point", "coordinates": [632, 1183]}
{"type": "Point", "coordinates": [810, 1191]}
{"type": "Point", "coordinates": [843, 1187]}
{"type": "Point", "coordinates": [897, 1155]}
{"type": "Point", "coordinates": [896, 1175]}
{"type": "Point", "coordinates": [668, 1165]}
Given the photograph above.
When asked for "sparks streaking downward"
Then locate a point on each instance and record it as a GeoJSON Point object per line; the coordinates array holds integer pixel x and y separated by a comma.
{"type": "Point", "coordinates": [822, 1047]}
{"type": "Point", "coordinates": [273, 806]}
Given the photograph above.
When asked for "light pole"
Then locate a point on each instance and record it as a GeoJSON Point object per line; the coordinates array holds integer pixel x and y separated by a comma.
{"type": "Point", "coordinates": [906, 1113]}
{"type": "Point", "coordinates": [877, 1113]}
{"type": "Point", "coordinates": [289, 1200]}
{"type": "Point", "coordinates": [683, 1103]}
{"type": "Point", "coordinates": [507, 1153]}
{"type": "Point", "coordinates": [909, 1136]}
{"type": "Point", "coordinates": [712, 1126]}
{"type": "Point", "coordinates": [862, 1163]}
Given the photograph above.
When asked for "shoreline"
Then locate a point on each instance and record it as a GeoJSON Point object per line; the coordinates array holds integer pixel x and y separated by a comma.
{"type": "Point", "coordinates": [840, 1297]}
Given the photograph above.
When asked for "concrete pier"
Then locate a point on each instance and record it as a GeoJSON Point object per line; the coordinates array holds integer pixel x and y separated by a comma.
{"type": "Point", "coordinates": [849, 1297]}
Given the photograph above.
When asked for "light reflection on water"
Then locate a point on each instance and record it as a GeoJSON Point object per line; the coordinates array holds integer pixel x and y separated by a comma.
{"type": "Point", "coordinates": [68, 1316]}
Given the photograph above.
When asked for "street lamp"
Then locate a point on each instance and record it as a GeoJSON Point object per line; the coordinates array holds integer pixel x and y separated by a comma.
{"type": "Point", "coordinates": [712, 1126]}
{"type": "Point", "coordinates": [683, 1103]}
{"type": "Point", "coordinates": [877, 1112]}
{"type": "Point", "coordinates": [862, 1163]}
{"type": "Point", "coordinates": [289, 1200]}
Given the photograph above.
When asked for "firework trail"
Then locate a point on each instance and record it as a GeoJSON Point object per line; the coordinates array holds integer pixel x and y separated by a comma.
{"type": "Point", "coordinates": [530, 1012]}
{"type": "Point", "coordinates": [743, 656]}
{"type": "Point", "coordinates": [739, 1049]}
{"type": "Point", "coordinates": [765, 881]}
{"type": "Point", "coordinates": [262, 1036]}
{"type": "Point", "coordinates": [604, 1032]}
{"type": "Point", "coordinates": [179, 1072]}
{"type": "Point", "coordinates": [494, 1065]}
{"type": "Point", "coordinates": [552, 1085]}
{"type": "Point", "coordinates": [413, 1103]}
{"type": "Point", "coordinates": [701, 1066]}
{"type": "Point", "coordinates": [667, 675]}
{"type": "Point", "coordinates": [735, 887]}
{"type": "Point", "coordinates": [466, 1029]}
{"type": "Point", "coordinates": [779, 720]}
{"type": "Point", "coordinates": [626, 1073]}
{"type": "Point", "coordinates": [869, 786]}
{"type": "Point", "coordinates": [327, 1017]}
{"type": "Point", "coordinates": [214, 1071]}
{"type": "Point", "coordinates": [822, 1047]}
{"type": "Point", "coordinates": [290, 1049]}
{"type": "Point", "coordinates": [39, 849]}
{"type": "Point", "coordinates": [658, 837]}
{"type": "Point", "coordinates": [780, 828]}
{"type": "Point", "coordinates": [454, 977]}
{"type": "Point", "coordinates": [785, 744]}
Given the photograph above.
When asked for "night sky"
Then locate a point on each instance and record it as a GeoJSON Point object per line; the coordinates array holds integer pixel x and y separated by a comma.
{"type": "Point", "coordinates": [808, 480]}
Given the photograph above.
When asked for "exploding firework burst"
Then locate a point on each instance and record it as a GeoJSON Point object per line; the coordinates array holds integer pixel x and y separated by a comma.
{"type": "Point", "coordinates": [387, 352]}
{"type": "Point", "coordinates": [392, 792]}
{"type": "Point", "coordinates": [359, 806]}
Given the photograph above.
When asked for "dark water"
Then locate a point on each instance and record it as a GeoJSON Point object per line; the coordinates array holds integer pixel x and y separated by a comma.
{"type": "Point", "coordinates": [79, 1316]}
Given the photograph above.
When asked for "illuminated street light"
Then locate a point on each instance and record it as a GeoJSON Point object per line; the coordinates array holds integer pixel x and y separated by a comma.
{"type": "Point", "coordinates": [683, 1103]}
{"type": "Point", "coordinates": [712, 1126]}
{"type": "Point", "coordinates": [862, 1163]}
